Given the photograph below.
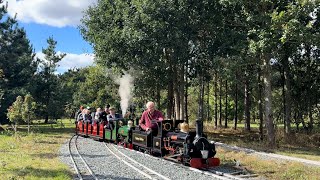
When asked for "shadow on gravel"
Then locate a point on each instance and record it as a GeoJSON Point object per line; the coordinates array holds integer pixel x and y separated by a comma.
{"type": "Point", "coordinates": [39, 173]}
{"type": "Point", "coordinates": [94, 156]}
{"type": "Point", "coordinates": [112, 177]}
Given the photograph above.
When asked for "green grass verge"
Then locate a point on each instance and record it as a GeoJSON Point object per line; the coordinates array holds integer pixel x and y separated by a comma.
{"type": "Point", "coordinates": [270, 169]}
{"type": "Point", "coordinates": [34, 156]}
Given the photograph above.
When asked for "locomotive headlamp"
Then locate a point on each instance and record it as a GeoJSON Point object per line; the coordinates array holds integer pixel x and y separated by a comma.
{"type": "Point", "coordinates": [130, 123]}
{"type": "Point", "coordinates": [204, 154]}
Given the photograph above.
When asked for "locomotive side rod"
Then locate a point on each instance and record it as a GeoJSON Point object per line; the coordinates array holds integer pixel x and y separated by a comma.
{"type": "Point", "coordinates": [150, 175]}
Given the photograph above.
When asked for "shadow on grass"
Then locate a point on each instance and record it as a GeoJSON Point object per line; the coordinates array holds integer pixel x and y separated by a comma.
{"type": "Point", "coordinates": [40, 173]}
{"type": "Point", "coordinates": [252, 140]}
{"type": "Point", "coordinates": [47, 129]}
{"type": "Point", "coordinates": [45, 155]}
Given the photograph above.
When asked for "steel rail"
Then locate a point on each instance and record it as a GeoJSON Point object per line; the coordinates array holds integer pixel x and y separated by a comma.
{"type": "Point", "coordinates": [83, 161]}
{"type": "Point", "coordinates": [138, 164]}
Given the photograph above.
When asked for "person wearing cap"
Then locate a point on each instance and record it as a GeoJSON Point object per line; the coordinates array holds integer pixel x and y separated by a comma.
{"type": "Point", "coordinates": [148, 115]}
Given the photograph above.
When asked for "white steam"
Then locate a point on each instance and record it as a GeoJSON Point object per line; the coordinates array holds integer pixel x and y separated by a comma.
{"type": "Point", "coordinates": [125, 89]}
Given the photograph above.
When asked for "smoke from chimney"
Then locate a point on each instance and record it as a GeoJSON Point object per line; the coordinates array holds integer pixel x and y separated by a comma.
{"type": "Point", "coordinates": [125, 90]}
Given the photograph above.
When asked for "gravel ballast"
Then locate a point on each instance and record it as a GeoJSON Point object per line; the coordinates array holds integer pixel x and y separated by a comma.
{"type": "Point", "coordinates": [105, 166]}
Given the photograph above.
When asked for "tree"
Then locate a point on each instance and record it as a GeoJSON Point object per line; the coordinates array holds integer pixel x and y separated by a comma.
{"type": "Point", "coordinates": [15, 112]}
{"type": "Point", "coordinates": [17, 65]}
{"type": "Point", "coordinates": [47, 90]}
{"type": "Point", "coordinates": [28, 110]}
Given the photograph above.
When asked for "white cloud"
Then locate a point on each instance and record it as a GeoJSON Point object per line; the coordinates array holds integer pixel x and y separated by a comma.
{"type": "Point", "coordinates": [58, 13]}
{"type": "Point", "coordinates": [72, 61]}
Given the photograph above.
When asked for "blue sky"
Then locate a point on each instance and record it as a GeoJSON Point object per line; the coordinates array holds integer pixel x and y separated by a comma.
{"type": "Point", "coordinates": [69, 39]}
{"type": "Point", "coordinates": [59, 19]}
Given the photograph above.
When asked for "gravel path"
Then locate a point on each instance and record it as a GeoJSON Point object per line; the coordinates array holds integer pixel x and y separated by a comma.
{"type": "Point", "coordinates": [268, 155]}
{"type": "Point", "coordinates": [102, 163]}
{"type": "Point", "coordinates": [106, 166]}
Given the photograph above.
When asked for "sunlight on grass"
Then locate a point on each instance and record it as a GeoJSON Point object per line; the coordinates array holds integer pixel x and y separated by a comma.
{"type": "Point", "coordinates": [34, 156]}
{"type": "Point", "coordinates": [270, 169]}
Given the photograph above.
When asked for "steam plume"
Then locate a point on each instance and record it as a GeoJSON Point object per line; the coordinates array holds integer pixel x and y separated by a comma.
{"type": "Point", "coordinates": [125, 89]}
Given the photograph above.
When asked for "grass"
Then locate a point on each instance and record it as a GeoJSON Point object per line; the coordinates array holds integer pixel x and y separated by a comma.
{"type": "Point", "coordinates": [270, 169]}
{"type": "Point", "coordinates": [300, 144]}
{"type": "Point", "coordinates": [34, 156]}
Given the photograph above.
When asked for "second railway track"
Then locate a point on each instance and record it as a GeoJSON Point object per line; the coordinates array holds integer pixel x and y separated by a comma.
{"type": "Point", "coordinates": [140, 168]}
{"type": "Point", "coordinates": [81, 167]}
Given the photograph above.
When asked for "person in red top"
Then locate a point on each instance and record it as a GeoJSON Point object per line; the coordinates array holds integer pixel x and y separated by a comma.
{"type": "Point", "coordinates": [148, 115]}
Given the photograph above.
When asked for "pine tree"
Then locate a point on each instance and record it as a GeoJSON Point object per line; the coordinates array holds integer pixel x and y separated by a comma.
{"type": "Point", "coordinates": [47, 87]}
{"type": "Point", "coordinates": [17, 66]}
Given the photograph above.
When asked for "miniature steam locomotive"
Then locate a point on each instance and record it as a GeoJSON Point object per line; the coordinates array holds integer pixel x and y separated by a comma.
{"type": "Point", "coordinates": [170, 142]}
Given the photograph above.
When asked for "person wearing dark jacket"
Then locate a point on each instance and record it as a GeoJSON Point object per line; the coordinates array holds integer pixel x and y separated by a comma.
{"type": "Point", "coordinates": [113, 116]}
{"type": "Point", "coordinates": [77, 113]}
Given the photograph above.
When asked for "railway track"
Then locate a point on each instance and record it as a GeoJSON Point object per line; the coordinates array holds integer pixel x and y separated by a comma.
{"type": "Point", "coordinates": [81, 167]}
{"type": "Point", "coordinates": [224, 172]}
{"type": "Point", "coordinates": [138, 167]}
{"type": "Point", "coordinates": [229, 172]}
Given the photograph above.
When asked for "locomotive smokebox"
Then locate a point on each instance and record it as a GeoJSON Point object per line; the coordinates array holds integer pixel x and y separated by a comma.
{"type": "Point", "coordinates": [199, 128]}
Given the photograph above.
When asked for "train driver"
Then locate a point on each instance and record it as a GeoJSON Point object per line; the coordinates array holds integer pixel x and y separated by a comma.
{"type": "Point", "coordinates": [148, 115]}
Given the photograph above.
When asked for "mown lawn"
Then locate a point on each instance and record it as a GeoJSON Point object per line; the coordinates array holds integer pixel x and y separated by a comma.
{"type": "Point", "coordinates": [34, 156]}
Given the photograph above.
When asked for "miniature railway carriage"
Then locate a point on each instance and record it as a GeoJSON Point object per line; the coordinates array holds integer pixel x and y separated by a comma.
{"type": "Point", "coordinates": [169, 141]}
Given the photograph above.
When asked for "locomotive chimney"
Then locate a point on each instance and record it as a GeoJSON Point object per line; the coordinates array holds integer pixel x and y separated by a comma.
{"type": "Point", "coordinates": [199, 128]}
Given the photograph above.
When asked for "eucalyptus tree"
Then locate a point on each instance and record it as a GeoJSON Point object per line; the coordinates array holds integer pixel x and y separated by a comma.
{"type": "Point", "coordinates": [298, 24]}
{"type": "Point", "coordinates": [97, 89]}
{"type": "Point", "coordinates": [151, 36]}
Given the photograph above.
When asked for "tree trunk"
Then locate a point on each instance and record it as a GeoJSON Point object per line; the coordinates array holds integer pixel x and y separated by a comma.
{"type": "Point", "coordinates": [158, 96]}
{"type": "Point", "coordinates": [268, 102]}
{"type": "Point", "coordinates": [181, 93]}
{"type": "Point", "coordinates": [201, 93]}
{"type": "Point", "coordinates": [311, 121]}
{"type": "Point", "coordinates": [260, 105]}
{"type": "Point", "coordinates": [226, 107]}
{"type": "Point", "coordinates": [216, 101]}
{"type": "Point", "coordinates": [208, 99]}
{"type": "Point", "coordinates": [176, 93]}
{"type": "Point", "coordinates": [220, 103]}
{"type": "Point", "coordinates": [287, 94]}
{"type": "Point", "coordinates": [247, 102]}
{"type": "Point", "coordinates": [170, 85]}
{"type": "Point", "coordinates": [170, 100]}
{"type": "Point", "coordinates": [28, 124]}
{"type": "Point", "coordinates": [186, 94]}
{"type": "Point", "coordinates": [236, 106]}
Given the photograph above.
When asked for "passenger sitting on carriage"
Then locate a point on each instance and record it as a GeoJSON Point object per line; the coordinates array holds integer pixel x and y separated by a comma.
{"type": "Point", "coordinates": [113, 116]}
{"type": "Point", "coordinates": [97, 115]}
{"type": "Point", "coordinates": [78, 113]}
{"type": "Point", "coordinates": [104, 114]}
{"type": "Point", "coordinates": [87, 116]}
{"type": "Point", "coordinates": [148, 115]}
{"type": "Point", "coordinates": [81, 115]}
